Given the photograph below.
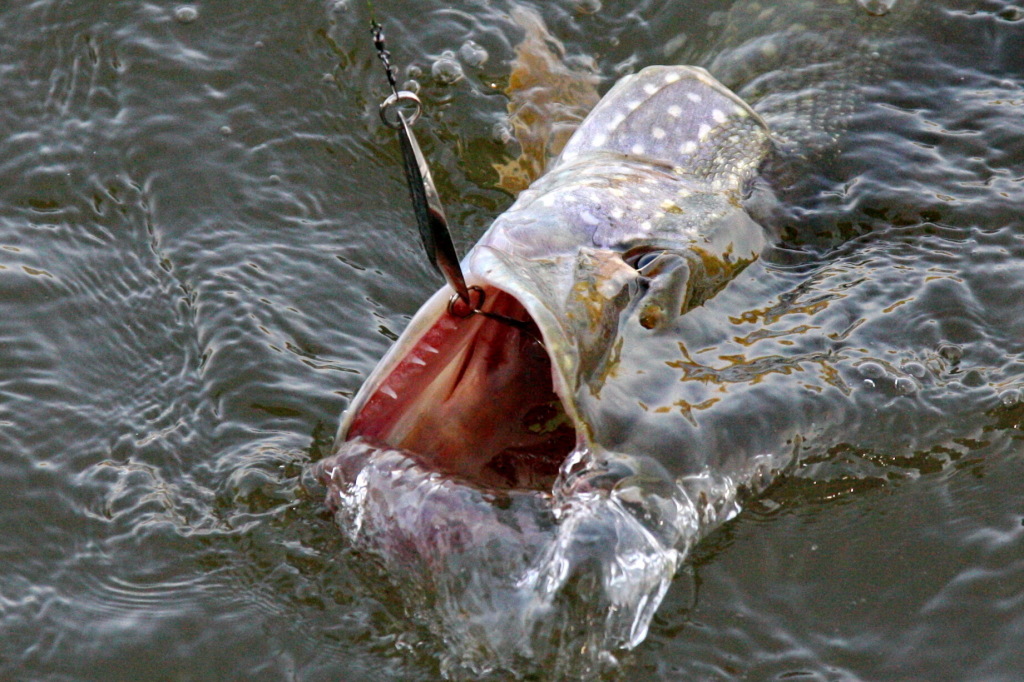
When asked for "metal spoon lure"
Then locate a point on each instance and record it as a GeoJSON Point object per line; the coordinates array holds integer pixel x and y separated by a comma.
{"type": "Point", "coordinates": [433, 225]}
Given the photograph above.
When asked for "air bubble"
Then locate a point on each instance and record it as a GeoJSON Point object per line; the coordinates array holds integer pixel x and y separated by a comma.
{"type": "Point", "coordinates": [877, 8]}
{"type": "Point", "coordinates": [872, 370]}
{"type": "Point", "coordinates": [412, 85]}
{"type": "Point", "coordinates": [186, 14]}
{"type": "Point", "coordinates": [502, 132]}
{"type": "Point", "coordinates": [674, 45]}
{"type": "Point", "coordinates": [915, 369]}
{"type": "Point", "coordinates": [446, 70]}
{"type": "Point", "coordinates": [717, 19]}
{"type": "Point", "coordinates": [974, 379]}
{"type": "Point", "coordinates": [1011, 14]}
{"type": "Point", "coordinates": [587, 6]}
{"type": "Point", "coordinates": [472, 54]}
{"type": "Point", "coordinates": [1010, 397]}
{"type": "Point", "coordinates": [950, 353]}
{"type": "Point", "coordinates": [905, 385]}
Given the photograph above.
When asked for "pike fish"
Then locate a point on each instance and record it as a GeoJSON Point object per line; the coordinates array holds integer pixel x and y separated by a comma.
{"type": "Point", "coordinates": [532, 475]}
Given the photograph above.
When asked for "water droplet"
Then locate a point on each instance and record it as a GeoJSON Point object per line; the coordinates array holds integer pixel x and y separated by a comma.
{"type": "Point", "coordinates": [446, 70]}
{"type": "Point", "coordinates": [1010, 397]}
{"type": "Point", "coordinates": [186, 14]}
{"type": "Point", "coordinates": [226, 130]}
{"type": "Point", "coordinates": [877, 8]}
{"type": "Point", "coordinates": [868, 383]}
{"type": "Point", "coordinates": [872, 370]}
{"type": "Point", "coordinates": [905, 385]}
{"type": "Point", "coordinates": [412, 85]}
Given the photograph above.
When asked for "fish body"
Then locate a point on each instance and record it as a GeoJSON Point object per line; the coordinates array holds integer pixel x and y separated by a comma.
{"type": "Point", "coordinates": [638, 221]}
{"type": "Point", "coordinates": [533, 486]}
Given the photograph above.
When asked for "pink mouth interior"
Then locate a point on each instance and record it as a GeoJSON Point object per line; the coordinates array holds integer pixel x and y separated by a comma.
{"type": "Point", "coordinates": [474, 398]}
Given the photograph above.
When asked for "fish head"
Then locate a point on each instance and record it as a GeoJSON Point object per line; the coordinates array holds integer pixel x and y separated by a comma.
{"type": "Point", "coordinates": [508, 459]}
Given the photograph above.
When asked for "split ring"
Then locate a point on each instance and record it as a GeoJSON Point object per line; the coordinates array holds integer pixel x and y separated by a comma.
{"type": "Point", "coordinates": [461, 309]}
{"type": "Point", "coordinates": [393, 102]}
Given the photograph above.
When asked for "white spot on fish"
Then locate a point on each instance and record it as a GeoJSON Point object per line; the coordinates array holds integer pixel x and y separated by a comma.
{"type": "Point", "coordinates": [616, 122]}
{"type": "Point", "coordinates": [693, 97]}
{"type": "Point", "coordinates": [599, 140]}
{"type": "Point", "coordinates": [589, 218]}
{"type": "Point", "coordinates": [657, 133]}
{"type": "Point", "coordinates": [718, 115]}
{"type": "Point", "coordinates": [703, 131]}
{"type": "Point", "coordinates": [633, 106]}
{"type": "Point", "coordinates": [636, 205]}
{"type": "Point", "coordinates": [671, 77]}
{"type": "Point", "coordinates": [645, 190]}
{"type": "Point", "coordinates": [688, 147]}
{"type": "Point", "coordinates": [616, 191]}
{"type": "Point", "coordinates": [668, 204]}
{"type": "Point", "coordinates": [650, 88]}
{"type": "Point", "coordinates": [548, 200]}
{"type": "Point", "coordinates": [637, 149]}
{"type": "Point", "coordinates": [675, 111]}
{"type": "Point", "coordinates": [645, 225]}
{"type": "Point", "coordinates": [618, 213]}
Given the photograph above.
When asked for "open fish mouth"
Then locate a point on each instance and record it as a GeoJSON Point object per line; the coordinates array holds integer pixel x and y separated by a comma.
{"type": "Point", "coordinates": [473, 397]}
{"type": "Point", "coordinates": [462, 469]}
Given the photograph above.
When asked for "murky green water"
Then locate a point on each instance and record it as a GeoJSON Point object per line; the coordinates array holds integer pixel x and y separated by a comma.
{"type": "Point", "coordinates": [205, 246]}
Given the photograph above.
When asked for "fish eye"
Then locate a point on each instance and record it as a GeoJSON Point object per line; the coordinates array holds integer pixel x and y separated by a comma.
{"type": "Point", "coordinates": [644, 259]}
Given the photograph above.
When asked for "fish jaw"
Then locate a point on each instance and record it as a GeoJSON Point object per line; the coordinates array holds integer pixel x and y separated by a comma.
{"type": "Point", "coordinates": [471, 396]}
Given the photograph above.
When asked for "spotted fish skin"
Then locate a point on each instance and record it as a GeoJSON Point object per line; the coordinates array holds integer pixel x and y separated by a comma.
{"type": "Point", "coordinates": [676, 116]}
{"type": "Point", "coordinates": [659, 166]}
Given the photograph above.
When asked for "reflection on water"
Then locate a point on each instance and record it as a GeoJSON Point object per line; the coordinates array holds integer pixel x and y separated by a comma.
{"type": "Point", "coordinates": [205, 246]}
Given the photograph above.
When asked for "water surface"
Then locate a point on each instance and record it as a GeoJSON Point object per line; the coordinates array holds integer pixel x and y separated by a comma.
{"type": "Point", "coordinates": [205, 247]}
